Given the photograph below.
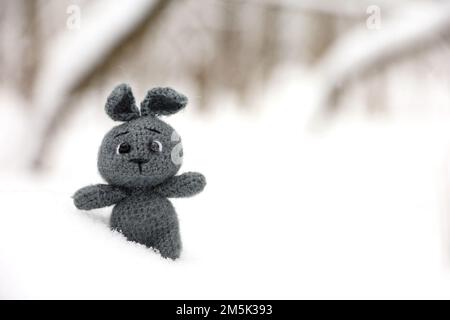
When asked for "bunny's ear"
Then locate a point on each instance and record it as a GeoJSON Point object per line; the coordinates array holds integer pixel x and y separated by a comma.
{"type": "Point", "coordinates": [120, 105]}
{"type": "Point", "coordinates": [163, 101]}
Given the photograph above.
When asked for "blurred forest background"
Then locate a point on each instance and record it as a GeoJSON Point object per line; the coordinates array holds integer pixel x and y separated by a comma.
{"type": "Point", "coordinates": [53, 52]}
{"type": "Point", "coordinates": [342, 106]}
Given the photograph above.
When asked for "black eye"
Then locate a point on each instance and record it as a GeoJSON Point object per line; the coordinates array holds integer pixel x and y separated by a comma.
{"type": "Point", "coordinates": [124, 147]}
{"type": "Point", "coordinates": [155, 146]}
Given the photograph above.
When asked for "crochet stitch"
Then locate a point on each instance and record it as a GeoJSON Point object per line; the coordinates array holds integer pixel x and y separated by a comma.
{"type": "Point", "coordinates": [139, 159]}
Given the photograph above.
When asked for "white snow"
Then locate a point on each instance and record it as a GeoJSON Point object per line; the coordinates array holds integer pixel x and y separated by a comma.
{"type": "Point", "coordinates": [356, 211]}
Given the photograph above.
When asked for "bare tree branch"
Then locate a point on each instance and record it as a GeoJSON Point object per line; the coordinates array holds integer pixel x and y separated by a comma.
{"type": "Point", "coordinates": [346, 9]}
{"type": "Point", "coordinates": [359, 53]}
{"type": "Point", "coordinates": [33, 47]}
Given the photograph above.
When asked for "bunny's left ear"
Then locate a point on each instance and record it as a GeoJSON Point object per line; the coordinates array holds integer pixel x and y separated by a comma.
{"type": "Point", "coordinates": [120, 105]}
{"type": "Point", "coordinates": [162, 101]}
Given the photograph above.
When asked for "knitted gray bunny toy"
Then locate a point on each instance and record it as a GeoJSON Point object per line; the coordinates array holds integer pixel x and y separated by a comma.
{"type": "Point", "coordinates": [139, 160]}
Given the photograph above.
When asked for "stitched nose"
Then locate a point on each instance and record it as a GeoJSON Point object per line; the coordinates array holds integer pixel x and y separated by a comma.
{"type": "Point", "coordinates": [139, 160]}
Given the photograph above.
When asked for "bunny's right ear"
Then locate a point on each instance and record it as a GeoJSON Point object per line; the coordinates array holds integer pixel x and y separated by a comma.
{"type": "Point", "coordinates": [163, 102]}
{"type": "Point", "coordinates": [120, 105]}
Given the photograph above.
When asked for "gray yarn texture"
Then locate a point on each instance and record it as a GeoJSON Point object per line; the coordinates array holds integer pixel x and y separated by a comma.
{"type": "Point", "coordinates": [139, 159]}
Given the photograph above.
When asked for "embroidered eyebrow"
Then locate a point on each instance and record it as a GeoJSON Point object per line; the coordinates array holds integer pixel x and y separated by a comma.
{"type": "Point", "coordinates": [121, 133]}
{"type": "Point", "coordinates": [154, 130]}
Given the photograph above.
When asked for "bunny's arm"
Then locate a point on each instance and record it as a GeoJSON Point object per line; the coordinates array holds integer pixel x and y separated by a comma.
{"type": "Point", "coordinates": [185, 185]}
{"type": "Point", "coordinates": [98, 196]}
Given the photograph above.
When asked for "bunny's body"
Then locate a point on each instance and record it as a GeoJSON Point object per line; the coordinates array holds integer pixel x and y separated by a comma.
{"type": "Point", "coordinates": [148, 218]}
{"type": "Point", "coordinates": [139, 159]}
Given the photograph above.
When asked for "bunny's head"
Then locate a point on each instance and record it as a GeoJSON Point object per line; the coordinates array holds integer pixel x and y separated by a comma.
{"type": "Point", "coordinates": [143, 151]}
